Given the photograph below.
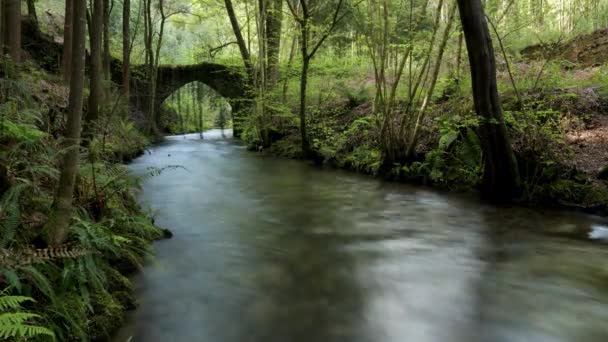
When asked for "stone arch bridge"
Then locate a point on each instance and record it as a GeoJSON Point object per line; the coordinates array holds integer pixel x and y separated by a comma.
{"type": "Point", "coordinates": [227, 81]}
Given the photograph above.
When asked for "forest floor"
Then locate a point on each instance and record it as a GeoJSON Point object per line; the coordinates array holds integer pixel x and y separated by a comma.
{"type": "Point", "coordinates": [590, 144]}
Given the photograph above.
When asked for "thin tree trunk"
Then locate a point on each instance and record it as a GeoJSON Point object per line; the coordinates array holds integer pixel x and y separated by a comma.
{"type": "Point", "coordinates": [67, 40]}
{"type": "Point", "coordinates": [126, 48]}
{"type": "Point", "coordinates": [411, 149]}
{"type": "Point", "coordinates": [154, 113]}
{"type": "Point", "coordinates": [106, 40]}
{"type": "Point", "coordinates": [274, 23]}
{"type": "Point", "coordinates": [292, 54]}
{"type": "Point", "coordinates": [149, 58]}
{"type": "Point", "coordinates": [303, 90]}
{"type": "Point", "coordinates": [199, 100]}
{"type": "Point", "coordinates": [240, 41]}
{"type": "Point", "coordinates": [501, 177]}
{"type": "Point", "coordinates": [58, 226]}
{"type": "Point", "coordinates": [459, 56]}
{"type": "Point", "coordinates": [2, 26]}
{"type": "Point", "coordinates": [261, 76]}
{"type": "Point", "coordinates": [179, 109]}
{"type": "Point", "coordinates": [308, 53]}
{"type": "Point", "coordinates": [96, 68]}
{"type": "Point", "coordinates": [31, 11]}
{"type": "Point", "coordinates": [13, 24]}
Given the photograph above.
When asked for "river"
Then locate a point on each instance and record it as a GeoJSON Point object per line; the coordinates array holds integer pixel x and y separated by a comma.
{"type": "Point", "coordinates": [268, 249]}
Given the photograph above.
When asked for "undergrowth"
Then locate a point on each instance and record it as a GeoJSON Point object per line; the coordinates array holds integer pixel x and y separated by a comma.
{"type": "Point", "coordinates": [551, 102]}
{"type": "Point", "coordinates": [79, 291]}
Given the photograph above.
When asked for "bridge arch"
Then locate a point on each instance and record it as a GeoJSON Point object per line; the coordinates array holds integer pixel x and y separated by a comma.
{"type": "Point", "coordinates": [226, 81]}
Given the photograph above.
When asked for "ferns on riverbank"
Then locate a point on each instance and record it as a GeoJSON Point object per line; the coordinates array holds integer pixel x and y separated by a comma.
{"type": "Point", "coordinates": [17, 324]}
{"type": "Point", "coordinates": [79, 291]}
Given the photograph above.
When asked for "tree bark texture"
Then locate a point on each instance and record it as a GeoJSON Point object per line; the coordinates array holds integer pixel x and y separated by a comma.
{"type": "Point", "coordinates": [126, 48]}
{"type": "Point", "coordinates": [67, 40]}
{"type": "Point", "coordinates": [13, 25]}
{"type": "Point", "coordinates": [500, 176]}
{"type": "Point", "coordinates": [60, 221]}
{"type": "Point", "coordinates": [96, 91]}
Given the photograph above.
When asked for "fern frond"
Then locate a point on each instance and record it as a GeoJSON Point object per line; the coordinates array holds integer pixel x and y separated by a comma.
{"type": "Point", "coordinates": [10, 214]}
{"type": "Point", "coordinates": [15, 325]}
{"type": "Point", "coordinates": [13, 302]}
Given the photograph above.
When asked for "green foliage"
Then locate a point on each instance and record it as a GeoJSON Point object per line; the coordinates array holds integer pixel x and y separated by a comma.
{"type": "Point", "coordinates": [20, 132]}
{"type": "Point", "coordinates": [17, 324]}
{"type": "Point", "coordinates": [79, 297]}
{"type": "Point", "coordinates": [456, 160]}
{"type": "Point", "coordinates": [10, 215]}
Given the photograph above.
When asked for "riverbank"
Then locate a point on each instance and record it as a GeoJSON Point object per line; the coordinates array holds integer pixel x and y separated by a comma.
{"type": "Point", "coordinates": [81, 290]}
{"type": "Point", "coordinates": [558, 129]}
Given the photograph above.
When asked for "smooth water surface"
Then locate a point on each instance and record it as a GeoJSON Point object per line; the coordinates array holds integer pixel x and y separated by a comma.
{"type": "Point", "coordinates": [267, 249]}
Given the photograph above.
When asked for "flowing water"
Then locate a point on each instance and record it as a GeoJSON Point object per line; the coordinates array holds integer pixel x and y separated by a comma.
{"type": "Point", "coordinates": [268, 249]}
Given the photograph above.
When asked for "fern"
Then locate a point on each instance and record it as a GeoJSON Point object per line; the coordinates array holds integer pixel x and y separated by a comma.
{"type": "Point", "coordinates": [10, 214]}
{"type": "Point", "coordinates": [12, 302]}
{"type": "Point", "coordinates": [14, 323]}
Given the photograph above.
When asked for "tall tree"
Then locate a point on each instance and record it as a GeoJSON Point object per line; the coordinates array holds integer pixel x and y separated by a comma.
{"type": "Point", "coordinates": [106, 38]}
{"type": "Point", "coordinates": [309, 49]}
{"type": "Point", "coordinates": [31, 10]}
{"type": "Point", "coordinates": [274, 23]}
{"type": "Point", "coordinates": [155, 61]}
{"type": "Point", "coordinates": [66, 60]}
{"type": "Point", "coordinates": [13, 26]}
{"type": "Point", "coordinates": [411, 147]}
{"type": "Point", "coordinates": [58, 226]}
{"type": "Point", "coordinates": [501, 177]}
{"type": "Point", "coordinates": [149, 59]}
{"type": "Point", "coordinates": [236, 28]}
{"type": "Point", "coordinates": [197, 106]}
{"type": "Point", "coordinates": [126, 48]}
{"type": "Point", "coordinates": [2, 26]}
{"type": "Point", "coordinates": [96, 91]}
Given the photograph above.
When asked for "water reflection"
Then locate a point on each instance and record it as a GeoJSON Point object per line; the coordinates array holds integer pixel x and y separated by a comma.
{"type": "Point", "coordinates": [267, 249]}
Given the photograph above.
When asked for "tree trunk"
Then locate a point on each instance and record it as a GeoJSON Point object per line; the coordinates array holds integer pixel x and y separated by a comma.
{"type": "Point", "coordinates": [154, 111]}
{"type": "Point", "coordinates": [179, 109]}
{"type": "Point", "coordinates": [308, 52]}
{"type": "Point", "coordinates": [292, 53]}
{"type": "Point", "coordinates": [106, 40]}
{"type": "Point", "coordinates": [13, 25]}
{"type": "Point", "coordinates": [239, 39]}
{"type": "Point", "coordinates": [31, 10]}
{"type": "Point", "coordinates": [58, 226]}
{"type": "Point", "coordinates": [126, 48]}
{"type": "Point", "coordinates": [303, 89]}
{"type": "Point", "coordinates": [96, 68]}
{"type": "Point", "coordinates": [411, 148]}
{"type": "Point", "coordinates": [274, 23]}
{"type": "Point", "coordinates": [200, 96]}
{"type": "Point", "coordinates": [459, 56]}
{"type": "Point", "coordinates": [501, 177]}
{"type": "Point", "coordinates": [67, 40]}
{"type": "Point", "coordinates": [149, 58]}
{"type": "Point", "coordinates": [2, 26]}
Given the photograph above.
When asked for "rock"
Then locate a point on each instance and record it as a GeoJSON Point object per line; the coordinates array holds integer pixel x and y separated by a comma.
{"type": "Point", "coordinates": [167, 234]}
{"type": "Point", "coordinates": [603, 173]}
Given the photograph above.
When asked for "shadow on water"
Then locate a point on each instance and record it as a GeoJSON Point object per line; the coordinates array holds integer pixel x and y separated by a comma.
{"type": "Point", "coordinates": [267, 249]}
